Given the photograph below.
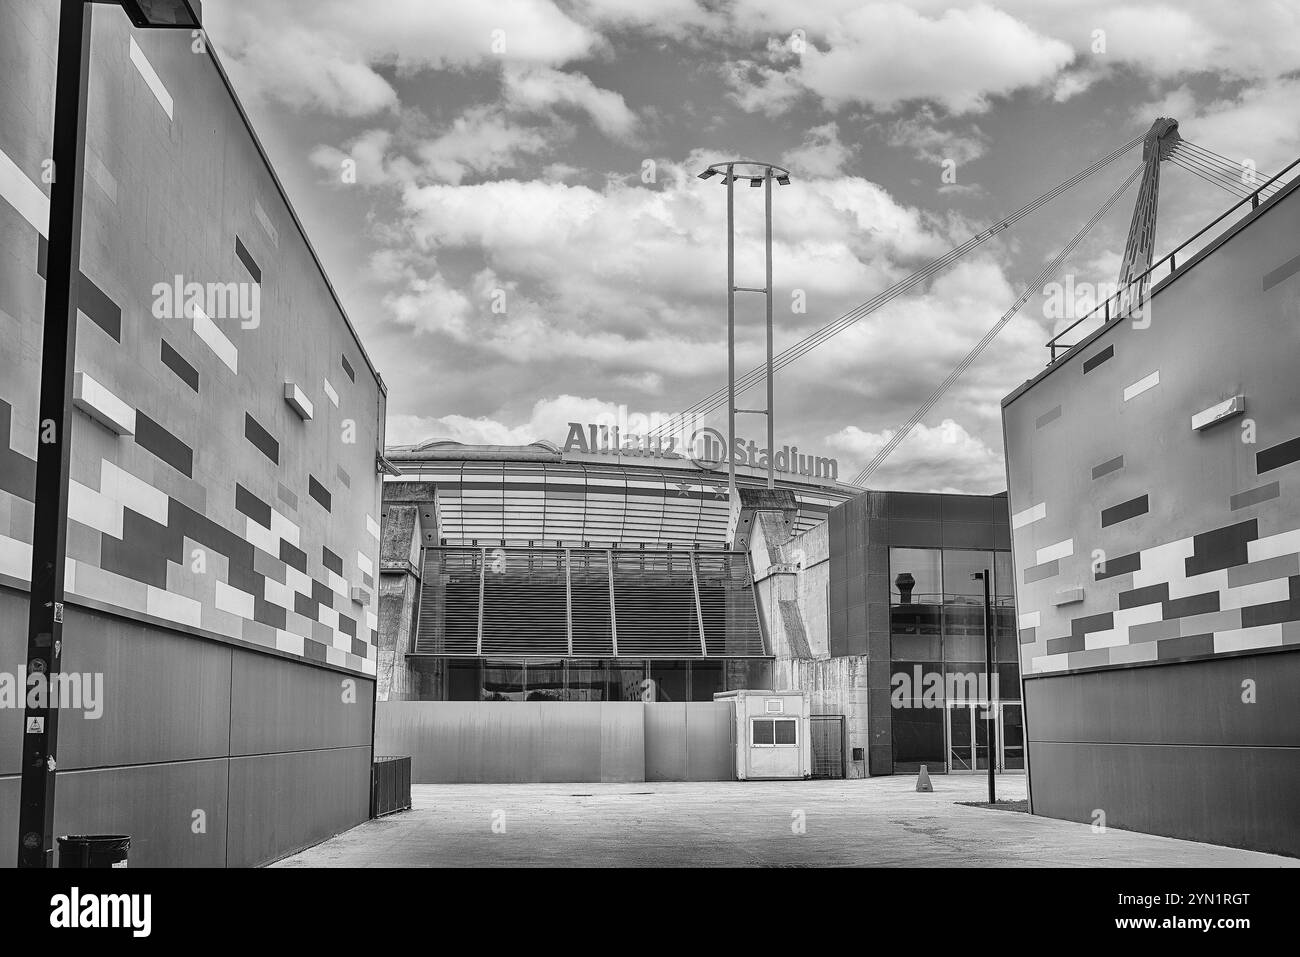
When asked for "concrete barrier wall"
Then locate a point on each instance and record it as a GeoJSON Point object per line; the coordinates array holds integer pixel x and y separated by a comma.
{"type": "Point", "coordinates": [460, 742]}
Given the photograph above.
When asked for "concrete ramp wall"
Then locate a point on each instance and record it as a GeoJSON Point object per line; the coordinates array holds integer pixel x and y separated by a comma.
{"type": "Point", "coordinates": [557, 741]}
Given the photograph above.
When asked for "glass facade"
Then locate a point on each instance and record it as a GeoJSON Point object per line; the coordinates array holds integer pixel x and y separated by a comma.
{"type": "Point", "coordinates": [937, 659]}
{"type": "Point", "coordinates": [587, 603]}
{"type": "Point", "coordinates": [584, 679]}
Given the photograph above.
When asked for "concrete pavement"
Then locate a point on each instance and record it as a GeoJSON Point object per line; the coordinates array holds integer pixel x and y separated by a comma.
{"type": "Point", "coordinates": [879, 821]}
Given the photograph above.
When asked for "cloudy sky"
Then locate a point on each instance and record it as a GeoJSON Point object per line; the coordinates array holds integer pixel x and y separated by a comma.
{"type": "Point", "coordinates": [504, 191]}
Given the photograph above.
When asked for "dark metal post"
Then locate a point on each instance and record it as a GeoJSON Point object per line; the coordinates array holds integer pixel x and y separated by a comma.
{"type": "Point", "coordinates": [731, 334]}
{"type": "Point", "coordinates": [771, 428]}
{"type": "Point", "coordinates": [991, 714]}
{"type": "Point", "coordinates": [58, 355]}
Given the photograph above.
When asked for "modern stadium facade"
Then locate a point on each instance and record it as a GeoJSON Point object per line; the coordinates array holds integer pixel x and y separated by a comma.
{"type": "Point", "coordinates": [611, 568]}
{"type": "Point", "coordinates": [606, 486]}
{"type": "Point", "coordinates": [609, 550]}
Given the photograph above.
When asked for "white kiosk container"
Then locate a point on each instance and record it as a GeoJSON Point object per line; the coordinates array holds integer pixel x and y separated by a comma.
{"type": "Point", "coordinates": [770, 731]}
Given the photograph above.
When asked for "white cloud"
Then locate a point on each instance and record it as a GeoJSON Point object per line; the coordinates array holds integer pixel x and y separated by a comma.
{"type": "Point", "coordinates": [537, 89]}
{"type": "Point", "coordinates": [758, 88]}
{"type": "Point", "coordinates": [365, 155]}
{"type": "Point", "coordinates": [920, 134]}
{"type": "Point", "coordinates": [548, 420]}
{"type": "Point", "coordinates": [941, 458]}
{"type": "Point", "coordinates": [959, 53]}
{"type": "Point", "coordinates": [328, 54]}
{"type": "Point", "coordinates": [428, 303]}
{"type": "Point", "coordinates": [484, 139]}
{"type": "Point", "coordinates": [821, 153]}
{"type": "Point", "coordinates": [616, 288]}
{"type": "Point", "coordinates": [636, 270]}
{"type": "Point", "coordinates": [481, 140]}
{"type": "Point", "coordinates": [886, 54]}
{"type": "Point", "coordinates": [672, 18]}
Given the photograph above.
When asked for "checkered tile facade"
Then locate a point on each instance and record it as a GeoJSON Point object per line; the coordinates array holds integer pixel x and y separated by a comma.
{"type": "Point", "coordinates": [1154, 471]}
{"type": "Point", "coordinates": [201, 498]}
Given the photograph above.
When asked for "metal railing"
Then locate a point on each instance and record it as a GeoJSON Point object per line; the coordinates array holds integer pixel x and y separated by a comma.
{"type": "Point", "coordinates": [390, 785]}
{"type": "Point", "coordinates": [1123, 303]}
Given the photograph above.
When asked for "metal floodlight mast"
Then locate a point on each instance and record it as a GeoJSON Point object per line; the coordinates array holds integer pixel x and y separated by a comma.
{"type": "Point", "coordinates": [758, 174]}
{"type": "Point", "coordinates": [53, 451]}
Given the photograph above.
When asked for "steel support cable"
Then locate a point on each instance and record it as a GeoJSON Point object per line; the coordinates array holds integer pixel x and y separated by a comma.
{"type": "Point", "coordinates": [1048, 271]}
{"type": "Point", "coordinates": [1220, 178]}
{"type": "Point", "coordinates": [1218, 169]}
{"type": "Point", "coordinates": [1193, 159]}
{"type": "Point", "coordinates": [1206, 175]}
{"type": "Point", "coordinates": [1217, 159]}
{"type": "Point", "coordinates": [1266, 187]}
{"type": "Point", "coordinates": [1232, 170]}
{"type": "Point", "coordinates": [1211, 173]}
{"type": "Point", "coordinates": [718, 397]}
{"type": "Point", "coordinates": [1212, 157]}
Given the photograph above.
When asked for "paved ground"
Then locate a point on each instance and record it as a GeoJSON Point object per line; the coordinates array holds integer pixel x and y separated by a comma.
{"type": "Point", "coordinates": [879, 821]}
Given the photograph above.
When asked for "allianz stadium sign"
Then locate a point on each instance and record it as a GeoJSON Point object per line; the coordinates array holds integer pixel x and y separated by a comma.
{"type": "Point", "coordinates": [704, 447]}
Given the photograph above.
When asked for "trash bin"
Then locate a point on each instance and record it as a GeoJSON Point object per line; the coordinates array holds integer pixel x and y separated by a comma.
{"type": "Point", "coordinates": [94, 850]}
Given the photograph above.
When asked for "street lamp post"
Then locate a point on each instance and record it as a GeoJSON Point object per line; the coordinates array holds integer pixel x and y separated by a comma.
{"type": "Point", "coordinates": [758, 174]}
{"type": "Point", "coordinates": [54, 424]}
{"type": "Point", "coordinates": [990, 715]}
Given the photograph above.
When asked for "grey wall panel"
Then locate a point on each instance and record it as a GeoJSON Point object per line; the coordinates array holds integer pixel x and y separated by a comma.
{"type": "Point", "coordinates": [453, 742]}
{"type": "Point", "coordinates": [278, 705]}
{"type": "Point", "coordinates": [166, 697]}
{"type": "Point", "coordinates": [507, 746]}
{"type": "Point", "coordinates": [13, 661]}
{"type": "Point", "coordinates": [568, 739]}
{"type": "Point", "coordinates": [1243, 797]}
{"type": "Point", "coordinates": [622, 741]}
{"type": "Point", "coordinates": [666, 745]}
{"type": "Point", "coordinates": [155, 804]}
{"type": "Point", "coordinates": [689, 741]}
{"type": "Point", "coordinates": [1188, 703]}
{"type": "Point", "coordinates": [710, 752]}
{"type": "Point", "coordinates": [285, 802]}
{"type": "Point", "coordinates": [473, 741]}
{"type": "Point", "coordinates": [1172, 749]}
{"type": "Point", "coordinates": [9, 791]}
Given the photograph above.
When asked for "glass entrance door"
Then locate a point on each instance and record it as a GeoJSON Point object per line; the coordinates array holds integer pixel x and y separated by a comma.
{"type": "Point", "coordinates": [968, 736]}
{"type": "Point", "coordinates": [1011, 736]}
{"type": "Point", "coordinates": [963, 745]}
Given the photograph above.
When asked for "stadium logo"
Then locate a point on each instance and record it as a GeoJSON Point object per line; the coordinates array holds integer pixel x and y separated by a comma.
{"type": "Point", "coordinates": [706, 449]}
